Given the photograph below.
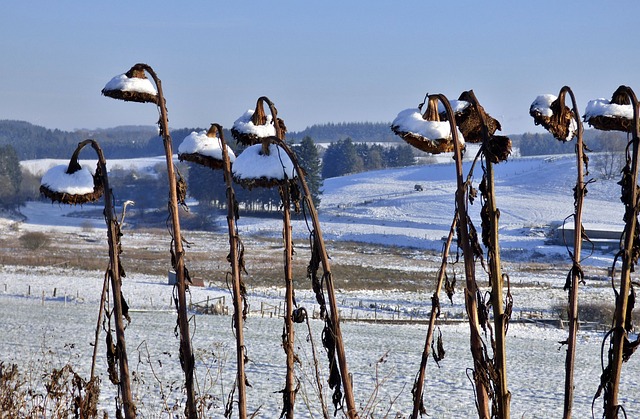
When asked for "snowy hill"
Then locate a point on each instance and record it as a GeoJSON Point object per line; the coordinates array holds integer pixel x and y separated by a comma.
{"type": "Point", "coordinates": [534, 196]}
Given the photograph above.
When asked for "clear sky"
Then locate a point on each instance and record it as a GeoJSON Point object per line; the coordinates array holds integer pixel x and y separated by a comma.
{"type": "Point", "coordinates": [328, 61]}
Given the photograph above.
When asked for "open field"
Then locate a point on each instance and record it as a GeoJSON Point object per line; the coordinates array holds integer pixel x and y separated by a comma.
{"type": "Point", "coordinates": [384, 248]}
{"type": "Point", "coordinates": [383, 357]}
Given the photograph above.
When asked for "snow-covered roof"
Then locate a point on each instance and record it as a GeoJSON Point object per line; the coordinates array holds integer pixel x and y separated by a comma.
{"type": "Point", "coordinates": [604, 107]}
{"type": "Point", "coordinates": [542, 105]}
{"type": "Point", "coordinates": [200, 143]}
{"type": "Point", "coordinates": [411, 120]}
{"type": "Point", "coordinates": [246, 126]}
{"type": "Point", "coordinates": [252, 164]}
{"type": "Point", "coordinates": [131, 84]}
{"type": "Point", "coordinates": [57, 179]}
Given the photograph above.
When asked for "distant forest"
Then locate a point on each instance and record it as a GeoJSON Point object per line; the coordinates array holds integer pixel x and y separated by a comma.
{"type": "Point", "coordinates": [36, 142]}
{"type": "Point", "coordinates": [357, 131]}
{"type": "Point", "coordinates": [537, 144]}
{"type": "Point", "coordinates": [351, 148]}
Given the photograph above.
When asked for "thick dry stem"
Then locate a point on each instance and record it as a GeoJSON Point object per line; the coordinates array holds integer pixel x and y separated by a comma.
{"type": "Point", "coordinates": [186, 351]}
{"type": "Point", "coordinates": [497, 301]}
{"type": "Point", "coordinates": [288, 338]}
{"type": "Point", "coordinates": [471, 290]}
{"type": "Point", "coordinates": [349, 398]}
{"type": "Point", "coordinates": [622, 300]}
{"type": "Point", "coordinates": [238, 317]}
{"type": "Point", "coordinates": [113, 238]}
{"type": "Point", "coordinates": [577, 250]}
{"type": "Point", "coordinates": [419, 384]}
{"type": "Point", "coordinates": [495, 270]}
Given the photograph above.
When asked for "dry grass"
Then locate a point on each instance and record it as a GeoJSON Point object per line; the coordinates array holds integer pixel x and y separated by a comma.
{"type": "Point", "coordinates": [61, 394]}
{"type": "Point", "coordinates": [354, 265]}
{"type": "Point", "coordinates": [34, 240]}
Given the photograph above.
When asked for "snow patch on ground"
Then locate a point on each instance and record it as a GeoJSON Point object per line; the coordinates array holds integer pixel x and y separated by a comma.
{"type": "Point", "coordinates": [533, 194]}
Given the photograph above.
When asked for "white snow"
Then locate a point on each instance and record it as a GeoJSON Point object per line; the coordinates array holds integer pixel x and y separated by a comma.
{"type": "Point", "coordinates": [131, 84]}
{"type": "Point", "coordinates": [252, 164]}
{"type": "Point", "coordinates": [40, 166]}
{"type": "Point", "coordinates": [542, 104]}
{"type": "Point", "coordinates": [604, 107]}
{"type": "Point", "coordinates": [200, 143]}
{"type": "Point", "coordinates": [245, 125]}
{"type": "Point", "coordinates": [533, 194]}
{"type": "Point", "coordinates": [379, 207]}
{"type": "Point", "coordinates": [457, 106]}
{"type": "Point", "coordinates": [382, 358]}
{"type": "Point", "coordinates": [382, 207]}
{"type": "Point", "coordinates": [411, 120]}
{"type": "Point", "coordinates": [77, 183]}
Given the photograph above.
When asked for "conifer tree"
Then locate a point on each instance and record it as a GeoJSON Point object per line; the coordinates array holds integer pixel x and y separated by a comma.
{"type": "Point", "coordinates": [309, 159]}
{"type": "Point", "coordinates": [10, 177]}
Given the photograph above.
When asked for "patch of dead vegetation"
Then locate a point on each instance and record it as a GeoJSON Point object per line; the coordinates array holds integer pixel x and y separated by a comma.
{"type": "Point", "coordinates": [354, 266]}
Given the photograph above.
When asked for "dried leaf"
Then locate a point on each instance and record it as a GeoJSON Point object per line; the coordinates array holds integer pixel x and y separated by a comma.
{"type": "Point", "coordinates": [449, 286]}
{"type": "Point", "coordinates": [437, 349]}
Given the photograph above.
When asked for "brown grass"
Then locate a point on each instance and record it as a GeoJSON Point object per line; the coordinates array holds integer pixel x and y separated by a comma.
{"type": "Point", "coordinates": [354, 266]}
{"type": "Point", "coordinates": [34, 240]}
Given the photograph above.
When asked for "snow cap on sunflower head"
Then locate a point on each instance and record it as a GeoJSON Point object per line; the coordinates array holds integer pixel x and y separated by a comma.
{"type": "Point", "coordinates": [205, 148]}
{"type": "Point", "coordinates": [425, 131]}
{"type": "Point", "coordinates": [132, 86]}
{"type": "Point", "coordinates": [254, 125]}
{"type": "Point", "coordinates": [72, 184]}
{"type": "Point", "coordinates": [552, 113]}
{"type": "Point", "coordinates": [264, 165]}
{"type": "Point", "coordinates": [611, 115]}
{"type": "Point", "coordinates": [472, 120]}
{"type": "Point", "coordinates": [469, 117]}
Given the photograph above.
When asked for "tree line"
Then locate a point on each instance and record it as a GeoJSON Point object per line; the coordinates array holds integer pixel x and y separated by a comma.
{"type": "Point", "coordinates": [356, 131]}
{"type": "Point", "coordinates": [35, 142]}
{"type": "Point", "coordinates": [536, 144]}
{"type": "Point", "coordinates": [345, 157]}
{"type": "Point", "coordinates": [21, 140]}
{"type": "Point", "coordinates": [209, 189]}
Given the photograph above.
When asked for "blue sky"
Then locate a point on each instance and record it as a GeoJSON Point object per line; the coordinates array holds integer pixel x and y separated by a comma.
{"type": "Point", "coordinates": [330, 61]}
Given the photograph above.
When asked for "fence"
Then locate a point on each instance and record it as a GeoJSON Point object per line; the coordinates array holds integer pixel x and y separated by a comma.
{"type": "Point", "coordinates": [215, 306]}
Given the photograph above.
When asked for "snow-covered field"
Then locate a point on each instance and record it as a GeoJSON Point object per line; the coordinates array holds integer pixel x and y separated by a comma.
{"type": "Point", "coordinates": [533, 194]}
{"type": "Point", "coordinates": [376, 207]}
{"type": "Point", "coordinates": [382, 356]}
